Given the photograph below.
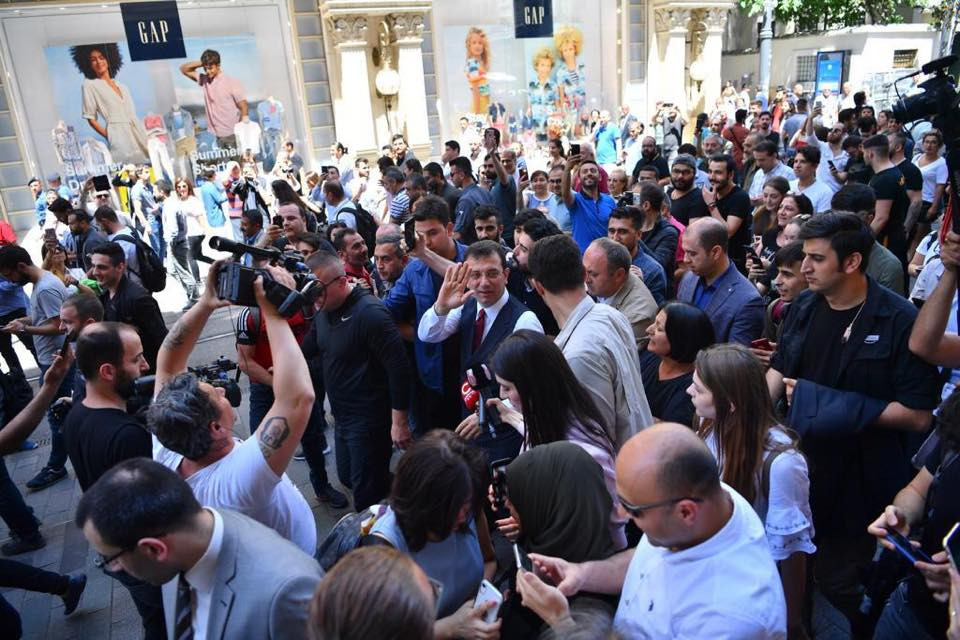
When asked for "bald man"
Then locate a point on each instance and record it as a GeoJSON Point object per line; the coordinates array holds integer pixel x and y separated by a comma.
{"type": "Point", "coordinates": [703, 567]}
{"type": "Point", "coordinates": [713, 284]}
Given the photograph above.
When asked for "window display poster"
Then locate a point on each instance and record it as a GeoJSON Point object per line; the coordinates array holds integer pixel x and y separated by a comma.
{"type": "Point", "coordinates": [537, 85]}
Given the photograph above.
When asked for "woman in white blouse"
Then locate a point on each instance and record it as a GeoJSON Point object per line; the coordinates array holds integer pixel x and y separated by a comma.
{"type": "Point", "coordinates": [758, 458]}
{"type": "Point", "coordinates": [184, 227]}
{"type": "Point", "coordinates": [933, 168]}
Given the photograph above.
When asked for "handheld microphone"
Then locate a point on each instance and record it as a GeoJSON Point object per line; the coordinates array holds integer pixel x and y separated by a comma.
{"type": "Point", "coordinates": [471, 397]}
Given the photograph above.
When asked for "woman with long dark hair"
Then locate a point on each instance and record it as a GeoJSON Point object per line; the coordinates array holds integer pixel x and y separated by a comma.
{"type": "Point", "coordinates": [677, 335]}
{"type": "Point", "coordinates": [283, 194]}
{"type": "Point", "coordinates": [758, 458]}
{"type": "Point", "coordinates": [545, 402]}
{"type": "Point", "coordinates": [435, 516]}
{"type": "Point", "coordinates": [104, 97]}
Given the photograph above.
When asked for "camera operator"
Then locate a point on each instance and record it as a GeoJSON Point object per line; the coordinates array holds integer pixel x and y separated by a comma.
{"type": "Point", "coordinates": [367, 378]}
{"type": "Point", "coordinates": [193, 423]}
{"type": "Point", "coordinates": [127, 301]}
{"type": "Point", "coordinates": [99, 433]}
{"type": "Point", "coordinates": [294, 222]}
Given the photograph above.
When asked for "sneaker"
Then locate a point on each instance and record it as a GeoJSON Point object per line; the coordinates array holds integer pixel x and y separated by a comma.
{"type": "Point", "coordinates": [18, 545]}
{"type": "Point", "coordinates": [46, 477]}
{"type": "Point", "coordinates": [333, 497]}
{"type": "Point", "coordinates": [74, 590]}
{"type": "Point", "coordinates": [28, 445]}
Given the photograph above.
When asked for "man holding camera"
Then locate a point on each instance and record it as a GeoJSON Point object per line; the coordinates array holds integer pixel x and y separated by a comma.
{"type": "Point", "coordinates": [126, 301]}
{"type": "Point", "coordinates": [367, 376]}
{"type": "Point", "coordinates": [193, 422]}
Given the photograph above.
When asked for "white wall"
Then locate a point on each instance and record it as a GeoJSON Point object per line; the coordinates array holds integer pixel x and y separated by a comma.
{"type": "Point", "coordinates": [871, 50]}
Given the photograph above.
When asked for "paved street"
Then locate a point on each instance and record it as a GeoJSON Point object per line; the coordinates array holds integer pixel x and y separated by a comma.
{"type": "Point", "coordinates": [106, 611]}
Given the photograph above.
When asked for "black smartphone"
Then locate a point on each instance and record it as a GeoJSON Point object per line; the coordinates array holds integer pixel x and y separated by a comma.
{"type": "Point", "coordinates": [326, 169]}
{"type": "Point", "coordinates": [101, 183]}
{"type": "Point", "coordinates": [410, 235]}
{"type": "Point", "coordinates": [904, 548]}
{"type": "Point", "coordinates": [751, 252]}
{"type": "Point", "coordinates": [523, 560]}
{"type": "Point", "coordinates": [278, 220]}
{"type": "Point", "coordinates": [833, 167]}
{"type": "Point", "coordinates": [523, 174]}
{"type": "Point", "coordinates": [574, 149]}
{"type": "Point", "coordinates": [951, 543]}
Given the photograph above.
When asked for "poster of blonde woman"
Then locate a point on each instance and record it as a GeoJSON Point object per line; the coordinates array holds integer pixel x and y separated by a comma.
{"type": "Point", "coordinates": [570, 77]}
{"type": "Point", "coordinates": [478, 63]}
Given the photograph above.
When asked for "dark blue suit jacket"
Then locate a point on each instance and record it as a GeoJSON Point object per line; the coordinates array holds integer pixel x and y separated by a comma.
{"type": "Point", "coordinates": [736, 308]}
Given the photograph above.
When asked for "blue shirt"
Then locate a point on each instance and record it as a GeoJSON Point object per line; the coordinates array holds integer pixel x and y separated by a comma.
{"type": "Point", "coordinates": [414, 292]}
{"type": "Point", "coordinates": [213, 196]}
{"type": "Point", "coordinates": [653, 274]}
{"type": "Point", "coordinates": [589, 218]}
{"type": "Point", "coordinates": [703, 292]}
{"type": "Point", "coordinates": [505, 197]}
{"type": "Point", "coordinates": [12, 298]}
{"type": "Point", "coordinates": [606, 137]}
{"type": "Point", "coordinates": [41, 208]}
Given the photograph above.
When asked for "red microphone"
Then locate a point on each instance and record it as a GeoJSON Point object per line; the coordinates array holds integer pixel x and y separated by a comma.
{"type": "Point", "coordinates": [471, 397]}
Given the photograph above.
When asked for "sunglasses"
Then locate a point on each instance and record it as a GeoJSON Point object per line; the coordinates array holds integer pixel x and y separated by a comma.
{"type": "Point", "coordinates": [636, 510]}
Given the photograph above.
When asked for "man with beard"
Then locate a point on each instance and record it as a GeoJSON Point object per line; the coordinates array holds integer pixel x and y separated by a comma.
{"type": "Point", "coordinates": [729, 204]}
{"type": "Point", "coordinates": [438, 185]}
{"type": "Point", "coordinates": [99, 433]}
{"type": "Point", "coordinates": [126, 301]}
{"type": "Point", "coordinates": [390, 259]}
{"type": "Point", "coordinates": [686, 202]}
{"type": "Point", "coordinates": [650, 156]}
{"type": "Point", "coordinates": [833, 157]}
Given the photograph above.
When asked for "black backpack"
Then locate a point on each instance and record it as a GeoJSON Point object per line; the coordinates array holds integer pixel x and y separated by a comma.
{"type": "Point", "coordinates": [152, 273]}
{"type": "Point", "coordinates": [16, 395]}
{"type": "Point", "coordinates": [366, 225]}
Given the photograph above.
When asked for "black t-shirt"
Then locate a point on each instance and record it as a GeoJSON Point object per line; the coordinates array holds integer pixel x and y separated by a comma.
{"type": "Point", "coordinates": [688, 207]}
{"type": "Point", "coordinates": [889, 184]}
{"type": "Point", "coordinates": [912, 178]}
{"type": "Point", "coordinates": [821, 362]}
{"type": "Point", "coordinates": [668, 399]}
{"type": "Point", "coordinates": [737, 203]}
{"type": "Point", "coordinates": [98, 439]}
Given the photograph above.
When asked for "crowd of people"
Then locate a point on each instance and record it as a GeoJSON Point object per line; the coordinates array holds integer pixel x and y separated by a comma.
{"type": "Point", "coordinates": [623, 385]}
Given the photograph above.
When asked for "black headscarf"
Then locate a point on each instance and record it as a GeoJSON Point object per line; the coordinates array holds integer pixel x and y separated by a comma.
{"type": "Point", "coordinates": [564, 505]}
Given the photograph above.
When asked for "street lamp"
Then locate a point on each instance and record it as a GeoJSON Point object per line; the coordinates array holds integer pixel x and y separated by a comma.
{"type": "Point", "coordinates": [766, 45]}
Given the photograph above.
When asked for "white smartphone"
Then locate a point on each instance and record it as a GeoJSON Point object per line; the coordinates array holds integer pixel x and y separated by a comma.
{"type": "Point", "coordinates": [488, 593]}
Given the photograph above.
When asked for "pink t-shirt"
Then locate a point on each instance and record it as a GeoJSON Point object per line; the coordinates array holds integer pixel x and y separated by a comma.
{"type": "Point", "coordinates": [221, 95]}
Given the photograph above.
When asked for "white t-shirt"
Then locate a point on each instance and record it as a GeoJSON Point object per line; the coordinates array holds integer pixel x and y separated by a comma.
{"type": "Point", "coordinates": [725, 588]}
{"type": "Point", "coordinates": [787, 518]}
{"type": "Point", "coordinates": [248, 136]}
{"type": "Point", "coordinates": [242, 481]}
{"type": "Point", "coordinates": [933, 174]}
{"type": "Point", "coordinates": [820, 194]}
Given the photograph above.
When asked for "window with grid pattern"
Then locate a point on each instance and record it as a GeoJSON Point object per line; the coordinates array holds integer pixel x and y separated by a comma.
{"type": "Point", "coordinates": [806, 69]}
{"type": "Point", "coordinates": [904, 58]}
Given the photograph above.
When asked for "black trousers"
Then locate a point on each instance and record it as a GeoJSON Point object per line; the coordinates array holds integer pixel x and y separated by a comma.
{"type": "Point", "coordinates": [6, 340]}
{"type": "Point", "coordinates": [19, 575]}
{"type": "Point", "coordinates": [363, 459]}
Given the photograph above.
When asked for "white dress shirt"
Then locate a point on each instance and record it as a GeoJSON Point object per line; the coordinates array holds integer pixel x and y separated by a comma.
{"type": "Point", "coordinates": [201, 579]}
{"type": "Point", "coordinates": [756, 187]}
{"type": "Point", "coordinates": [436, 328]}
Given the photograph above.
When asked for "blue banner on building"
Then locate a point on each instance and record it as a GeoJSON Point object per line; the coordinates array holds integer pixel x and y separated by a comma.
{"type": "Point", "coordinates": [533, 18]}
{"type": "Point", "coordinates": [830, 71]}
{"type": "Point", "coordinates": [153, 30]}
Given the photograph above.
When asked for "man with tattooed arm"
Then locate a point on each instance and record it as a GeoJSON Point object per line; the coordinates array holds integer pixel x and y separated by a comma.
{"type": "Point", "coordinates": [192, 422]}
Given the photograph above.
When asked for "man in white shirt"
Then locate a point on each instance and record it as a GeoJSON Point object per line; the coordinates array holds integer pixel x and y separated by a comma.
{"type": "Point", "coordinates": [192, 422]}
{"type": "Point", "coordinates": [703, 568]}
{"type": "Point", "coordinates": [833, 159]}
{"type": "Point", "coordinates": [805, 166]}
{"type": "Point", "coordinates": [767, 157]}
{"type": "Point", "coordinates": [223, 575]}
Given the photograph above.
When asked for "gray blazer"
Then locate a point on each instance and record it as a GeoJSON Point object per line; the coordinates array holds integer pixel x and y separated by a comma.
{"type": "Point", "coordinates": [735, 310]}
{"type": "Point", "coordinates": [263, 587]}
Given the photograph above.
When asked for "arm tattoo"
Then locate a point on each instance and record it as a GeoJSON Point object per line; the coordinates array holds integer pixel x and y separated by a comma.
{"type": "Point", "coordinates": [273, 433]}
{"type": "Point", "coordinates": [174, 339]}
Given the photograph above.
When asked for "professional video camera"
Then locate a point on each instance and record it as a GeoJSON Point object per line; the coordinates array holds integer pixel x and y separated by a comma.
{"type": "Point", "coordinates": [214, 374]}
{"type": "Point", "coordinates": [235, 281]}
{"type": "Point", "coordinates": [938, 103]}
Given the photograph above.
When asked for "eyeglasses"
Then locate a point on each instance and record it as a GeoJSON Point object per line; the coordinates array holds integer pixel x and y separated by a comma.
{"type": "Point", "coordinates": [103, 562]}
{"type": "Point", "coordinates": [636, 510]}
{"type": "Point", "coordinates": [437, 588]}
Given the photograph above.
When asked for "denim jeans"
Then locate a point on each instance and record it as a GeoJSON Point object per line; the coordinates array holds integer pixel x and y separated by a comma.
{"type": "Point", "coordinates": [899, 621]}
{"type": "Point", "coordinates": [313, 441]}
{"type": "Point", "coordinates": [363, 460]}
{"type": "Point", "coordinates": [156, 237]}
{"type": "Point", "coordinates": [237, 234]}
{"type": "Point", "coordinates": [58, 448]}
{"type": "Point", "coordinates": [14, 511]}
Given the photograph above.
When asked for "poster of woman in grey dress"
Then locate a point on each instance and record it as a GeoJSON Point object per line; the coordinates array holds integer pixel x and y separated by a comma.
{"type": "Point", "coordinates": [107, 104]}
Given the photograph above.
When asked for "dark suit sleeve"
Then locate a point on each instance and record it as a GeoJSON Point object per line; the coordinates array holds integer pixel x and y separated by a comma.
{"type": "Point", "coordinates": [386, 345]}
{"type": "Point", "coordinates": [666, 249]}
{"type": "Point", "coordinates": [747, 322]}
{"type": "Point", "coordinates": [148, 319]}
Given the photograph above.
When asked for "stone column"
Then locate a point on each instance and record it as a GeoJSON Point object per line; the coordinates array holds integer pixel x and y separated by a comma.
{"type": "Point", "coordinates": [672, 26]}
{"type": "Point", "coordinates": [354, 115]}
{"type": "Point", "coordinates": [714, 21]}
{"type": "Point", "coordinates": [412, 100]}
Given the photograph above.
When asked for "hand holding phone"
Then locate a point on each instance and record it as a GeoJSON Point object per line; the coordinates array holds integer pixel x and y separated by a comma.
{"type": "Point", "coordinates": [951, 544]}
{"type": "Point", "coordinates": [488, 593]}
{"type": "Point", "coordinates": [905, 548]}
{"type": "Point", "coordinates": [574, 149]}
{"type": "Point", "coordinates": [523, 561]}
{"type": "Point", "coordinates": [762, 343]}
{"type": "Point", "coordinates": [277, 220]}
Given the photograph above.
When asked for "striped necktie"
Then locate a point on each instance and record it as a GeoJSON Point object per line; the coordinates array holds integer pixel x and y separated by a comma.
{"type": "Point", "coordinates": [183, 622]}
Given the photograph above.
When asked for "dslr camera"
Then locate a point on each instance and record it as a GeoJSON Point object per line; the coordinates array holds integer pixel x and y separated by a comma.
{"type": "Point", "coordinates": [214, 374]}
